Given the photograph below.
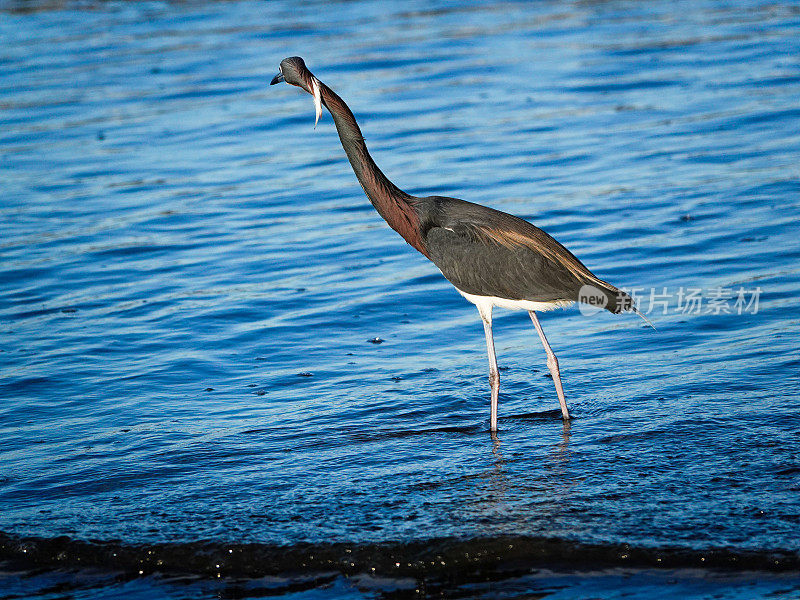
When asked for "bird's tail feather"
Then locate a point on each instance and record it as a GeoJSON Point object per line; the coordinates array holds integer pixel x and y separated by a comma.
{"type": "Point", "coordinates": [619, 301]}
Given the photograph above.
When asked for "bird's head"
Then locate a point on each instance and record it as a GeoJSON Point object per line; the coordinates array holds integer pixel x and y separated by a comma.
{"type": "Point", "coordinates": [293, 71]}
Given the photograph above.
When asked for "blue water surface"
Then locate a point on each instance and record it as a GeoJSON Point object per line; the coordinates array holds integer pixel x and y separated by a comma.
{"type": "Point", "coordinates": [192, 283]}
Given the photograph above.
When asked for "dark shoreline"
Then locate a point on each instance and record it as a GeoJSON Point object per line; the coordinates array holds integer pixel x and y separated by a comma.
{"type": "Point", "coordinates": [449, 558]}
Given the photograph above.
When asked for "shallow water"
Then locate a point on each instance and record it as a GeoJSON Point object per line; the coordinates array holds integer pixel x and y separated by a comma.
{"type": "Point", "coordinates": [191, 284]}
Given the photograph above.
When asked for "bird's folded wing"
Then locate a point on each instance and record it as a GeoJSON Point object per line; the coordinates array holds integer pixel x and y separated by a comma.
{"type": "Point", "coordinates": [487, 252]}
{"type": "Point", "coordinates": [483, 267]}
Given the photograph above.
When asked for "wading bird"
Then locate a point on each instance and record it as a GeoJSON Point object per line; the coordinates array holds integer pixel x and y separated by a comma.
{"type": "Point", "coordinates": [492, 258]}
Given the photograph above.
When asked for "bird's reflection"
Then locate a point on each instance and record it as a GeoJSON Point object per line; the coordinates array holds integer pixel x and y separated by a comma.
{"type": "Point", "coordinates": [559, 454]}
{"type": "Point", "coordinates": [497, 477]}
{"type": "Point", "coordinates": [518, 492]}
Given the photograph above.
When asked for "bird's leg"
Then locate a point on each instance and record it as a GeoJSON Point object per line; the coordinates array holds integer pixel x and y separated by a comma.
{"type": "Point", "coordinates": [552, 364]}
{"type": "Point", "coordinates": [494, 374]}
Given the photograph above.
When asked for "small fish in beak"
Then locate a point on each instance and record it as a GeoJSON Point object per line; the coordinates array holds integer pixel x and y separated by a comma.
{"type": "Point", "coordinates": [315, 90]}
{"type": "Point", "coordinates": [317, 99]}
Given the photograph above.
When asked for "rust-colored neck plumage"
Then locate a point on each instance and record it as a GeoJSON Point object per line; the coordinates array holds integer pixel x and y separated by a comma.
{"type": "Point", "coordinates": [392, 203]}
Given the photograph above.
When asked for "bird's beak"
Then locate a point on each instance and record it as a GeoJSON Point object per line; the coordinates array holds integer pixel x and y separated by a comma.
{"type": "Point", "coordinates": [277, 79]}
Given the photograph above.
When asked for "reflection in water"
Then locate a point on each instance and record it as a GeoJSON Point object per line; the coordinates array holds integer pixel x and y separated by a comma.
{"type": "Point", "coordinates": [560, 481]}
{"type": "Point", "coordinates": [517, 495]}
{"type": "Point", "coordinates": [547, 496]}
{"type": "Point", "coordinates": [497, 479]}
{"type": "Point", "coordinates": [559, 457]}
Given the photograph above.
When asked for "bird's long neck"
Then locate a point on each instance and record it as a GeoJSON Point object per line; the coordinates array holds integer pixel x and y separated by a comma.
{"type": "Point", "coordinates": [392, 203]}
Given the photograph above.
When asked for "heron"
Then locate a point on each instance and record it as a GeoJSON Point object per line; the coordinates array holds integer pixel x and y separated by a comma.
{"type": "Point", "coordinates": [492, 258]}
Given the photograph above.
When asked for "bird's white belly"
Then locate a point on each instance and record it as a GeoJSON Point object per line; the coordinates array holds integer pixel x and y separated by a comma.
{"type": "Point", "coordinates": [487, 301]}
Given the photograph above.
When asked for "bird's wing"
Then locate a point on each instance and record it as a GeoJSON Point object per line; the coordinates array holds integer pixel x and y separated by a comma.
{"type": "Point", "coordinates": [486, 268]}
{"type": "Point", "coordinates": [487, 252]}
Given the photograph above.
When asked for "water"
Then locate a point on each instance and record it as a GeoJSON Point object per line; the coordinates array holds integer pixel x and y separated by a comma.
{"type": "Point", "coordinates": [190, 278]}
